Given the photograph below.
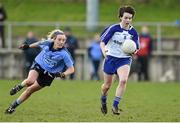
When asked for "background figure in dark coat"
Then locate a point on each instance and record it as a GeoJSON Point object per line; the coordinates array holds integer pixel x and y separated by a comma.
{"type": "Point", "coordinates": [3, 17]}
{"type": "Point", "coordinates": [71, 44]}
{"type": "Point", "coordinates": [30, 53]}
{"type": "Point", "coordinates": [143, 55]}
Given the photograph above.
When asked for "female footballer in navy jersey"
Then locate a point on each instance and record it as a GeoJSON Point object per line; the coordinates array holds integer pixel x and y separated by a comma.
{"type": "Point", "coordinates": [116, 61]}
{"type": "Point", "coordinates": [53, 61]}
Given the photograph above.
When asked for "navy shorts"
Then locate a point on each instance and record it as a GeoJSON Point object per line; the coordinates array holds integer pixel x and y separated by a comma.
{"type": "Point", "coordinates": [45, 78]}
{"type": "Point", "coordinates": [111, 64]}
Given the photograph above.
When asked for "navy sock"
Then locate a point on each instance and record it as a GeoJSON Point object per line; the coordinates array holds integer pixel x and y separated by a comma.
{"type": "Point", "coordinates": [103, 99]}
{"type": "Point", "coordinates": [15, 103]}
{"type": "Point", "coordinates": [116, 101]}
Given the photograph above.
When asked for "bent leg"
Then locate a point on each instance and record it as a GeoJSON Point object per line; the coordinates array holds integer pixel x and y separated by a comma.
{"type": "Point", "coordinates": [24, 96]}
{"type": "Point", "coordinates": [33, 75]}
{"type": "Point", "coordinates": [27, 93]}
{"type": "Point", "coordinates": [107, 83]}
{"type": "Point", "coordinates": [104, 90]}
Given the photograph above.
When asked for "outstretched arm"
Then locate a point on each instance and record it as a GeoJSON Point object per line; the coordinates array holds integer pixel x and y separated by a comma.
{"type": "Point", "coordinates": [26, 46]}
{"type": "Point", "coordinates": [34, 45]}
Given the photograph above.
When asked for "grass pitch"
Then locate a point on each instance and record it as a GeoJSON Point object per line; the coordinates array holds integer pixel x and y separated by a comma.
{"type": "Point", "coordinates": [78, 101]}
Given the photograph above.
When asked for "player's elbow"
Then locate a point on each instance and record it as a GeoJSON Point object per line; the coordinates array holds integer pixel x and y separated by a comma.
{"type": "Point", "coordinates": [72, 70]}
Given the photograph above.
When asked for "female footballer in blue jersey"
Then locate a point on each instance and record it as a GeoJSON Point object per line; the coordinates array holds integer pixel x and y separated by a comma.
{"type": "Point", "coordinates": [53, 61]}
{"type": "Point", "coordinates": [116, 61]}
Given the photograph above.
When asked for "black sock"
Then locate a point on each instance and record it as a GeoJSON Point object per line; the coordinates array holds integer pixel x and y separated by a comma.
{"type": "Point", "coordinates": [14, 104]}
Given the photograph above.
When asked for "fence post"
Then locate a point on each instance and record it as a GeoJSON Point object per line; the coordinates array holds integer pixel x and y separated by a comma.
{"type": "Point", "coordinates": [159, 43]}
{"type": "Point", "coordinates": [9, 38]}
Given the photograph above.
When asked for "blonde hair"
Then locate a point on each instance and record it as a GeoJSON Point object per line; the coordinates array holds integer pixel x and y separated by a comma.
{"type": "Point", "coordinates": [51, 35]}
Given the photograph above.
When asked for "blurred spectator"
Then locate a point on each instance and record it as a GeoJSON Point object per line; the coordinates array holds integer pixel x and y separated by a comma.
{"type": "Point", "coordinates": [178, 22]}
{"type": "Point", "coordinates": [71, 45]}
{"type": "Point", "coordinates": [95, 54]}
{"type": "Point", "coordinates": [3, 17]}
{"type": "Point", "coordinates": [30, 53]}
{"type": "Point", "coordinates": [135, 68]}
{"type": "Point", "coordinates": [143, 55]}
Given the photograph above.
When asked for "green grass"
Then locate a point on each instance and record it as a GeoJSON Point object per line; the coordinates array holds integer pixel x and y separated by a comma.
{"type": "Point", "coordinates": [79, 101]}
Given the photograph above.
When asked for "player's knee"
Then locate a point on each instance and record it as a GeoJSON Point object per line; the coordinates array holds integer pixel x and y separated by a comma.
{"type": "Point", "coordinates": [107, 87]}
{"type": "Point", "coordinates": [29, 82]}
{"type": "Point", "coordinates": [123, 82]}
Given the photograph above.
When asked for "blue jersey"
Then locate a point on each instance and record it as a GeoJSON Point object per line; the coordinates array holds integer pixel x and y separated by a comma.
{"type": "Point", "coordinates": [52, 60]}
{"type": "Point", "coordinates": [95, 51]}
{"type": "Point", "coordinates": [114, 36]}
